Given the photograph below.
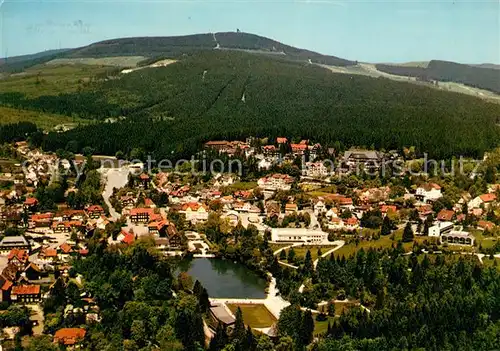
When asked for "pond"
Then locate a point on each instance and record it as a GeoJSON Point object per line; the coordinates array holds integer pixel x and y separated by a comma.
{"type": "Point", "coordinates": [224, 278]}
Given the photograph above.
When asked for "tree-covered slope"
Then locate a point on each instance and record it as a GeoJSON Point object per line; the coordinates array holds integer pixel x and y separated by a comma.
{"type": "Point", "coordinates": [254, 42]}
{"type": "Point", "coordinates": [220, 94]}
{"type": "Point", "coordinates": [479, 77]}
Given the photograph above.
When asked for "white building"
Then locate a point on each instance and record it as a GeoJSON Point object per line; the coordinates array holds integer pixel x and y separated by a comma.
{"type": "Point", "coordinates": [276, 182]}
{"type": "Point", "coordinates": [428, 193]}
{"type": "Point", "coordinates": [298, 235]}
{"type": "Point", "coordinates": [440, 228]}
{"type": "Point", "coordinates": [457, 238]}
{"type": "Point", "coordinates": [264, 164]}
{"type": "Point", "coordinates": [315, 170]}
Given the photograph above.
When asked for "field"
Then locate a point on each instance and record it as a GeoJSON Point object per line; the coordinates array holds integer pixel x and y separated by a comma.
{"type": "Point", "coordinates": [340, 307]}
{"type": "Point", "coordinates": [120, 61]}
{"type": "Point", "coordinates": [385, 242]}
{"type": "Point", "coordinates": [46, 121]}
{"type": "Point", "coordinates": [256, 316]}
{"type": "Point", "coordinates": [485, 242]}
{"type": "Point", "coordinates": [301, 251]}
{"type": "Point", "coordinates": [50, 79]}
{"type": "Point", "coordinates": [238, 186]}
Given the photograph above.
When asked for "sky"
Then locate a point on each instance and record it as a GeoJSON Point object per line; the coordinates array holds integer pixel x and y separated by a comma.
{"type": "Point", "coordinates": [367, 31]}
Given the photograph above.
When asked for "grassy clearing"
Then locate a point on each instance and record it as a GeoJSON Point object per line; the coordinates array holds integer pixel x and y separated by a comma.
{"type": "Point", "coordinates": [50, 79]}
{"type": "Point", "coordinates": [119, 61]}
{"type": "Point", "coordinates": [256, 316]}
{"type": "Point", "coordinates": [384, 242]}
{"type": "Point", "coordinates": [485, 242]}
{"type": "Point", "coordinates": [43, 120]}
{"type": "Point", "coordinates": [340, 307]}
{"type": "Point", "coordinates": [239, 186]}
{"type": "Point", "coordinates": [301, 251]}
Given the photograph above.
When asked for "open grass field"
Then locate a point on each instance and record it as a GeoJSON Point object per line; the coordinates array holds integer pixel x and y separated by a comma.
{"type": "Point", "coordinates": [242, 186]}
{"type": "Point", "coordinates": [43, 120]}
{"type": "Point", "coordinates": [256, 316]}
{"type": "Point", "coordinates": [384, 242]}
{"type": "Point", "coordinates": [485, 242]}
{"type": "Point", "coordinates": [50, 79]}
{"type": "Point", "coordinates": [340, 307]}
{"type": "Point", "coordinates": [300, 251]}
{"type": "Point", "coordinates": [119, 61]}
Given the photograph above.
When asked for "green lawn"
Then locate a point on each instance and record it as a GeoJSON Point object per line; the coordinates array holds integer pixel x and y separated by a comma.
{"type": "Point", "coordinates": [239, 186]}
{"type": "Point", "coordinates": [50, 79]}
{"type": "Point", "coordinates": [256, 316]}
{"type": "Point", "coordinates": [340, 307]}
{"type": "Point", "coordinates": [300, 251]}
{"type": "Point", "coordinates": [485, 242]}
{"type": "Point", "coordinates": [46, 121]}
{"type": "Point", "coordinates": [275, 247]}
{"type": "Point", "coordinates": [384, 242]}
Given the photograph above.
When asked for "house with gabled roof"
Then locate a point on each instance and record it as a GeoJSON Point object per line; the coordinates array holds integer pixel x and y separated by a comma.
{"type": "Point", "coordinates": [26, 293]}
{"type": "Point", "coordinates": [69, 337]}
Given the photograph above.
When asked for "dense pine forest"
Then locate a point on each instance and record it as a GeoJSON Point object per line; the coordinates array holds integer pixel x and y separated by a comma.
{"type": "Point", "coordinates": [478, 77]}
{"type": "Point", "coordinates": [171, 111]}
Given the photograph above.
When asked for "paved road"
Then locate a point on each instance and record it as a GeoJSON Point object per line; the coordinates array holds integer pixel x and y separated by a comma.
{"type": "Point", "coordinates": [114, 178]}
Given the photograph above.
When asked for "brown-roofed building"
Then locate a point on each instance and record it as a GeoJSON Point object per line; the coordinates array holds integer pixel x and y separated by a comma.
{"type": "Point", "coordinates": [30, 203]}
{"type": "Point", "coordinates": [32, 272]}
{"type": "Point", "coordinates": [18, 257]}
{"type": "Point", "coordinates": [95, 211]}
{"type": "Point", "coordinates": [485, 225]}
{"type": "Point", "coordinates": [218, 314]}
{"type": "Point", "coordinates": [487, 198]}
{"type": "Point", "coordinates": [141, 215]}
{"type": "Point", "coordinates": [445, 215]}
{"type": "Point", "coordinates": [291, 208]}
{"type": "Point", "coordinates": [69, 336]}
{"type": "Point", "coordinates": [26, 293]}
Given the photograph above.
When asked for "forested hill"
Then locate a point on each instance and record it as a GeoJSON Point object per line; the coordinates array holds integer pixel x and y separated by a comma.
{"type": "Point", "coordinates": [227, 94]}
{"type": "Point", "coordinates": [175, 47]}
{"type": "Point", "coordinates": [487, 78]}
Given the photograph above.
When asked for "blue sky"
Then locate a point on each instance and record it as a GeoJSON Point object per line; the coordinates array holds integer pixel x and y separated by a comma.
{"type": "Point", "coordinates": [370, 30]}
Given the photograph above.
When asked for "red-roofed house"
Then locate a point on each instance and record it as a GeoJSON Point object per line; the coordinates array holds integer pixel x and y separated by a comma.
{"type": "Point", "coordinates": [487, 198]}
{"type": "Point", "coordinates": [281, 140]}
{"type": "Point", "coordinates": [128, 238]}
{"type": "Point", "coordinates": [485, 225]}
{"type": "Point", "coordinates": [69, 336]}
{"type": "Point", "coordinates": [298, 149]}
{"type": "Point", "coordinates": [30, 202]}
{"type": "Point", "coordinates": [144, 180]}
{"type": "Point", "coordinates": [141, 215]}
{"type": "Point", "coordinates": [291, 208]}
{"type": "Point", "coordinates": [18, 257]}
{"type": "Point", "coordinates": [95, 211]}
{"type": "Point", "coordinates": [26, 293]}
{"type": "Point", "coordinates": [445, 215]}
{"type": "Point", "coordinates": [388, 208]}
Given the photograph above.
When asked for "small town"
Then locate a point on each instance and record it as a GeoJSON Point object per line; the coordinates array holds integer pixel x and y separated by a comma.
{"type": "Point", "coordinates": [281, 220]}
{"type": "Point", "coordinates": [249, 175]}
